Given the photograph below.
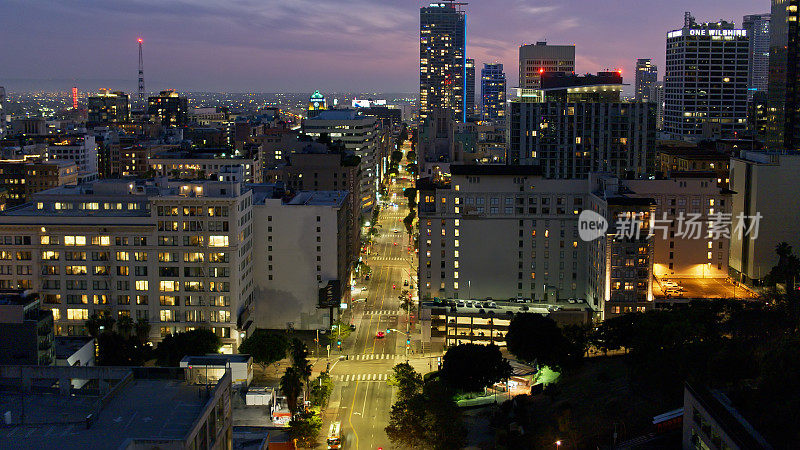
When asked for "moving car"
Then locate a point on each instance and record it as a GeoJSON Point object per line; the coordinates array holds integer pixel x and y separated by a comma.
{"type": "Point", "coordinates": [380, 334]}
{"type": "Point", "coordinates": [334, 436]}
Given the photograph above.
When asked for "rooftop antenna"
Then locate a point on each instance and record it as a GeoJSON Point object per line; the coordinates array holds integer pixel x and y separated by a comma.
{"type": "Point", "coordinates": [141, 74]}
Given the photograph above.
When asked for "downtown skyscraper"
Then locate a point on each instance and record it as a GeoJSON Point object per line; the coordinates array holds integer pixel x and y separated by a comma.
{"type": "Point", "coordinates": [705, 82]}
{"type": "Point", "coordinates": [783, 102]}
{"type": "Point", "coordinates": [757, 26]}
{"type": "Point", "coordinates": [646, 78]}
{"type": "Point", "coordinates": [442, 59]}
{"type": "Point", "coordinates": [493, 93]}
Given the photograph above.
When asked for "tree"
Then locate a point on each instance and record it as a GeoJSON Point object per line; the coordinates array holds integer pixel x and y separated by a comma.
{"type": "Point", "coordinates": [408, 221]}
{"type": "Point", "coordinates": [304, 428]}
{"type": "Point", "coordinates": [299, 355]}
{"type": "Point", "coordinates": [142, 330]}
{"type": "Point", "coordinates": [406, 304]}
{"type": "Point", "coordinates": [99, 322]}
{"type": "Point", "coordinates": [125, 326]}
{"type": "Point", "coordinates": [175, 346]}
{"type": "Point", "coordinates": [787, 270]}
{"type": "Point", "coordinates": [321, 389]}
{"type": "Point", "coordinates": [533, 338]}
{"type": "Point", "coordinates": [397, 156]}
{"type": "Point", "coordinates": [617, 332]}
{"type": "Point", "coordinates": [411, 195]}
{"type": "Point", "coordinates": [264, 346]}
{"type": "Point", "coordinates": [461, 370]}
{"type": "Point", "coordinates": [114, 349]}
{"type": "Point", "coordinates": [407, 380]}
{"type": "Point", "coordinates": [291, 386]}
{"type": "Point", "coordinates": [406, 427]}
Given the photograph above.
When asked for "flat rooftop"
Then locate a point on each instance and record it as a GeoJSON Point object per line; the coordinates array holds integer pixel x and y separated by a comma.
{"type": "Point", "coordinates": [143, 409]}
{"type": "Point", "coordinates": [66, 346]}
{"type": "Point", "coordinates": [319, 198]}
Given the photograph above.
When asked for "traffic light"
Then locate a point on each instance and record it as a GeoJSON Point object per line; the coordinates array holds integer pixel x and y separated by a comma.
{"type": "Point", "coordinates": [339, 342]}
{"type": "Point", "coordinates": [388, 330]}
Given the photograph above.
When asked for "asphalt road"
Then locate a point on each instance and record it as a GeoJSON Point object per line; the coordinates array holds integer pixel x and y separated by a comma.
{"type": "Point", "coordinates": [361, 398]}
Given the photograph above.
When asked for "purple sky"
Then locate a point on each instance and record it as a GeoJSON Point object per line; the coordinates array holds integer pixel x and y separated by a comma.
{"type": "Point", "coordinates": [301, 45]}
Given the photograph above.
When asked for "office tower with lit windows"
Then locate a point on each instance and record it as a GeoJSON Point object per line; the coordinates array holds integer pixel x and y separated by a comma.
{"type": "Point", "coordinates": [783, 86]}
{"type": "Point", "coordinates": [575, 125]}
{"type": "Point", "coordinates": [539, 58]}
{"type": "Point", "coordinates": [169, 109]}
{"type": "Point", "coordinates": [646, 78]}
{"type": "Point", "coordinates": [442, 59]}
{"type": "Point", "coordinates": [705, 83]}
{"type": "Point", "coordinates": [757, 26]}
{"type": "Point", "coordinates": [108, 107]}
{"type": "Point", "coordinates": [493, 93]}
{"type": "Point", "coordinates": [470, 90]}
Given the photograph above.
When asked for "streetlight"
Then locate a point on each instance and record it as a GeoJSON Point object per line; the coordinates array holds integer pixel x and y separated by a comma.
{"type": "Point", "coordinates": [558, 443]}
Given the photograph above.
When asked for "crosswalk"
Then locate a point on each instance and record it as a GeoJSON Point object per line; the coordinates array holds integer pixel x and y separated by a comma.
{"type": "Point", "coordinates": [362, 377]}
{"type": "Point", "coordinates": [388, 258]}
{"type": "Point", "coordinates": [383, 312]}
{"type": "Point", "coordinates": [374, 356]}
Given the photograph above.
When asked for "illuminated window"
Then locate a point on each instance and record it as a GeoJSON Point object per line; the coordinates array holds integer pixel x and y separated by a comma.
{"type": "Point", "coordinates": [74, 240]}
{"type": "Point", "coordinates": [141, 285]}
{"type": "Point", "coordinates": [77, 314]}
{"type": "Point", "coordinates": [218, 241]}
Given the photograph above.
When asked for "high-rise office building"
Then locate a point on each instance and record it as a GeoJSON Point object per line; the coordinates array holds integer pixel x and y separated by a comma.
{"type": "Point", "coordinates": [575, 125]}
{"type": "Point", "coordinates": [783, 103]}
{"type": "Point", "coordinates": [442, 59]}
{"type": "Point", "coordinates": [646, 78]}
{"type": "Point", "coordinates": [706, 80]}
{"type": "Point", "coordinates": [108, 107]}
{"type": "Point", "coordinates": [539, 58]}
{"type": "Point", "coordinates": [493, 93]}
{"type": "Point", "coordinates": [471, 112]}
{"type": "Point", "coordinates": [169, 108]}
{"type": "Point", "coordinates": [757, 26]}
{"type": "Point", "coordinates": [657, 96]}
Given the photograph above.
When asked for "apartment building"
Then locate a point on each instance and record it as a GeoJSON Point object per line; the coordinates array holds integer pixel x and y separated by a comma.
{"type": "Point", "coordinates": [23, 178]}
{"type": "Point", "coordinates": [26, 331]}
{"type": "Point", "coordinates": [314, 169]}
{"type": "Point", "coordinates": [472, 228]}
{"type": "Point", "coordinates": [192, 165]}
{"type": "Point", "coordinates": [178, 254]}
{"type": "Point", "coordinates": [358, 134]}
{"type": "Point", "coordinates": [300, 246]}
{"type": "Point", "coordinates": [574, 125]}
{"type": "Point", "coordinates": [533, 251]}
{"type": "Point", "coordinates": [683, 198]}
{"type": "Point", "coordinates": [765, 185]}
{"type": "Point", "coordinates": [79, 148]}
{"type": "Point", "coordinates": [620, 261]}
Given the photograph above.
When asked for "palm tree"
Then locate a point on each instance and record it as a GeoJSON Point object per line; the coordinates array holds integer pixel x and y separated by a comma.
{"type": "Point", "coordinates": [142, 330]}
{"type": "Point", "coordinates": [125, 326]}
{"type": "Point", "coordinates": [299, 354]}
{"type": "Point", "coordinates": [291, 386]}
{"type": "Point", "coordinates": [93, 325]}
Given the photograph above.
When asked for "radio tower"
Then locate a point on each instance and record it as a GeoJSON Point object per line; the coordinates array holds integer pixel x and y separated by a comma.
{"type": "Point", "coordinates": [141, 75]}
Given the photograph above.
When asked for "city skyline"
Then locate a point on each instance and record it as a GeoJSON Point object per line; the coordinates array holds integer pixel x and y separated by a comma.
{"type": "Point", "coordinates": [286, 56]}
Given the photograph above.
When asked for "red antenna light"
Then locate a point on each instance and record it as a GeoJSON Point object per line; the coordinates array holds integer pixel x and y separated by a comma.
{"type": "Point", "coordinates": [541, 70]}
{"type": "Point", "coordinates": [140, 40]}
